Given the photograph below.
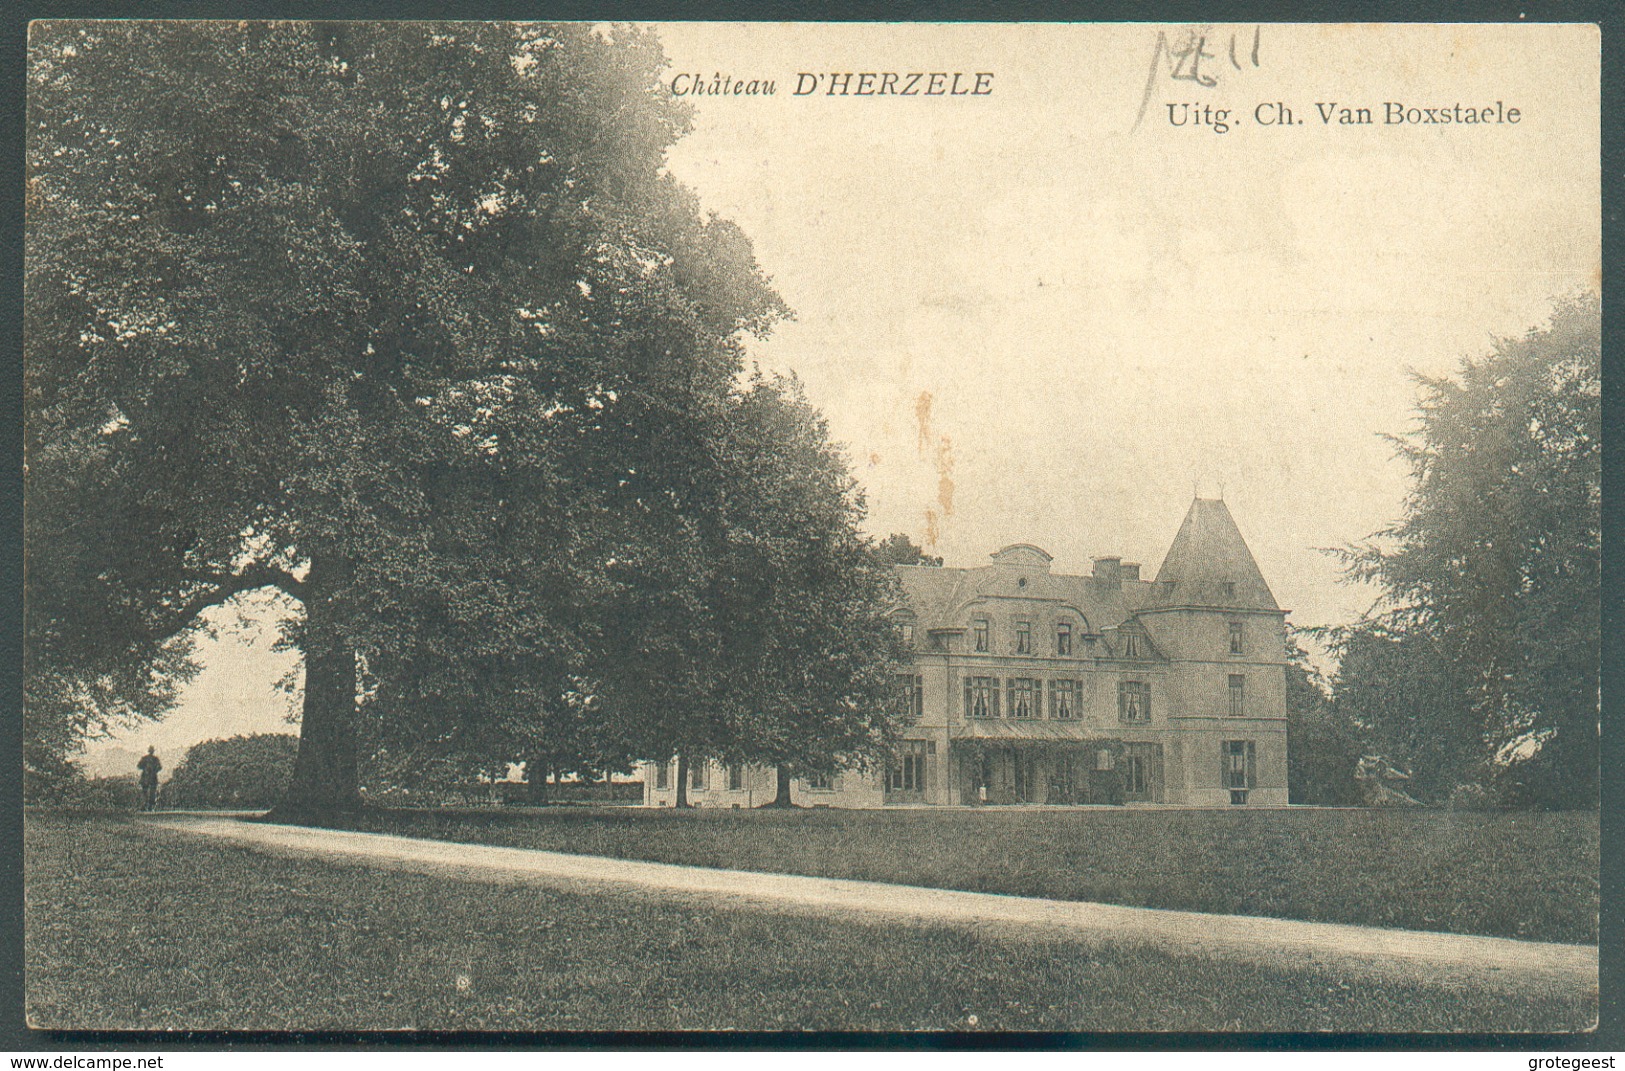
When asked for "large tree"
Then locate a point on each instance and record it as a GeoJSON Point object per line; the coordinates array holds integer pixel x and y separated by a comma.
{"type": "Point", "coordinates": [1402, 699]}
{"type": "Point", "coordinates": [804, 602]}
{"type": "Point", "coordinates": [1494, 570]}
{"type": "Point", "coordinates": [360, 312]}
{"type": "Point", "coordinates": [899, 549]}
{"type": "Point", "coordinates": [760, 631]}
{"type": "Point", "coordinates": [1323, 742]}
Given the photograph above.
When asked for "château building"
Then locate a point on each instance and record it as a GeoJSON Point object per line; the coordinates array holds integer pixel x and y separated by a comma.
{"type": "Point", "coordinates": [1029, 686]}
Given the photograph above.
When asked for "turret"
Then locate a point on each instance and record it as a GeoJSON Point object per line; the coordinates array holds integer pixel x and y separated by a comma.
{"type": "Point", "coordinates": [1209, 565]}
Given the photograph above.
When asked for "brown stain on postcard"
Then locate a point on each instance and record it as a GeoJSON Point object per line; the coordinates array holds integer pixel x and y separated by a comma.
{"type": "Point", "coordinates": [945, 476]}
{"type": "Point", "coordinates": [922, 416]}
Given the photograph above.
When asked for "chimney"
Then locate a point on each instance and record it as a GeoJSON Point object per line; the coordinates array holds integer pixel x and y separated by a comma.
{"type": "Point", "coordinates": [1109, 569]}
{"type": "Point", "coordinates": [1131, 570]}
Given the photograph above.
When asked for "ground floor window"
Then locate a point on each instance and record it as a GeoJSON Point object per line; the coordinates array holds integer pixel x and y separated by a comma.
{"type": "Point", "coordinates": [662, 776]}
{"type": "Point", "coordinates": [1134, 784]}
{"type": "Point", "coordinates": [697, 779]}
{"type": "Point", "coordinates": [1026, 777]}
{"type": "Point", "coordinates": [736, 777]}
{"type": "Point", "coordinates": [821, 782]}
{"type": "Point", "coordinates": [1240, 769]}
{"type": "Point", "coordinates": [908, 771]}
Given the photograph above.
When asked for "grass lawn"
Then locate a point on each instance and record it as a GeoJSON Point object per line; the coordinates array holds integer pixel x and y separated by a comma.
{"type": "Point", "coordinates": [1522, 875]}
{"type": "Point", "coordinates": [134, 927]}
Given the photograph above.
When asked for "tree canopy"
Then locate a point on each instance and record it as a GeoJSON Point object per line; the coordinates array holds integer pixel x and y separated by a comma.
{"type": "Point", "coordinates": [1323, 748]}
{"type": "Point", "coordinates": [1484, 662]}
{"type": "Point", "coordinates": [899, 549]}
{"type": "Point", "coordinates": [408, 321]}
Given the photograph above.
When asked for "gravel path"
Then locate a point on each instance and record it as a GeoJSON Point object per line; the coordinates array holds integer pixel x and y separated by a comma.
{"type": "Point", "coordinates": [1361, 950]}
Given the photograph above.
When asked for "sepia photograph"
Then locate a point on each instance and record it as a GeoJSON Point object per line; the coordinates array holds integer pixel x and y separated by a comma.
{"type": "Point", "coordinates": [811, 528]}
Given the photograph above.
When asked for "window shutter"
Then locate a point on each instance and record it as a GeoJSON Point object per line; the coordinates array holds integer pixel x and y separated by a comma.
{"type": "Point", "coordinates": [967, 698]}
{"type": "Point", "coordinates": [1252, 768]}
{"type": "Point", "coordinates": [994, 693]}
{"type": "Point", "coordinates": [1224, 764]}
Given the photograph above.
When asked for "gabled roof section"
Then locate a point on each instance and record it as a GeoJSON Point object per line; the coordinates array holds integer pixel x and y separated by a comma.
{"type": "Point", "coordinates": [1023, 554]}
{"type": "Point", "coordinates": [938, 596]}
{"type": "Point", "coordinates": [1209, 564]}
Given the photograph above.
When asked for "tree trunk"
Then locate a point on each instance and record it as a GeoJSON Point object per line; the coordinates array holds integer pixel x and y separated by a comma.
{"type": "Point", "coordinates": [325, 775]}
{"type": "Point", "coordinates": [536, 776]}
{"type": "Point", "coordinates": [781, 795]}
{"type": "Point", "coordinates": [682, 781]}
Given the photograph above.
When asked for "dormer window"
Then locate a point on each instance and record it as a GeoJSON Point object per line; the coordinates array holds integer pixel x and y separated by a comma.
{"type": "Point", "coordinates": [1229, 589]}
{"type": "Point", "coordinates": [1063, 638]}
{"type": "Point", "coordinates": [981, 630]}
{"type": "Point", "coordinates": [905, 632]}
{"type": "Point", "coordinates": [1024, 637]}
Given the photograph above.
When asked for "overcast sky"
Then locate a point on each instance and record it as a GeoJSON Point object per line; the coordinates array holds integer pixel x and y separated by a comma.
{"type": "Point", "coordinates": [1030, 321]}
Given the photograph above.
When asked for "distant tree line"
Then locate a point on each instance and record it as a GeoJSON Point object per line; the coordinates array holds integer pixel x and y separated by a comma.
{"type": "Point", "coordinates": [409, 323]}
{"type": "Point", "coordinates": [1479, 673]}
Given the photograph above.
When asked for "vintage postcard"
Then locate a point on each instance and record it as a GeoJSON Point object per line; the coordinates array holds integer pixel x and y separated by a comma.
{"type": "Point", "coordinates": [812, 527]}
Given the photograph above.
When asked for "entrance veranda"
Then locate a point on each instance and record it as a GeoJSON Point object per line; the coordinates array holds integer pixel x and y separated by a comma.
{"type": "Point", "coordinates": [1011, 770]}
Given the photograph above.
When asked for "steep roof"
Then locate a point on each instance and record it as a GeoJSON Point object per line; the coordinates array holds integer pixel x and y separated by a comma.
{"type": "Point", "coordinates": [1207, 555]}
{"type": "Point", "coordinates": [937, 595]}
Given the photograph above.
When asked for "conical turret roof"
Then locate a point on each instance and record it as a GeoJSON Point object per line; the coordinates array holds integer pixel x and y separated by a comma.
{"type": "Point", "coordinates": [1209, 564]}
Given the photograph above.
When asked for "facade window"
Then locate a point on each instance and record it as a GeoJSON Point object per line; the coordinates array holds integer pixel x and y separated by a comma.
{"type": "Point", "coordinates": [1131, 645]}
{"type": "Point", "coordinates": [910, 701]}
{"type": "Point", "coordinates": [1103, 759]}
{"type": "Point", "coordinates": [1025, 694]}
{"type": "Point", "coordinates": [821, 782]}
{"type": "Point", "coordinates": [1239, 769]}
{"type": "Point", "coordinates": [1238, 695]}
{"type": "Point", "coordinates": [1134, 776]}
{"type": "Point", "coordinates": [1236, 646]}
{"type": "Point", "coordinates": [1063, 638]}
{"type": "Point", "coordinates": [905, 632]}
{"type": "Point", "coordinates": [1133, 701]}
{"type": "Point", "coordinates": [907, 771]}
{"type": "Point", "coordinates": [981, 697]}
{"type": "Point", "coordinates": [1229, 589]}
{"type": "Point", "coordinates": [1024, 637]}
{"type": "Point", "coordinates": [981, 629]}
{"type": "Point", "coordinates": [736, 777]}
{"type": "Point", "coordinates": [697, 776]}
{"type": "Point", "coordinates": [663, 777]}
{"type": "Point", "coordinates": [1063, 700]}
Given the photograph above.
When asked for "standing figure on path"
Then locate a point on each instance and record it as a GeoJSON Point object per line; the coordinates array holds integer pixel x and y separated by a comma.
{"type": "Point", "coordinates": [149, 767]}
